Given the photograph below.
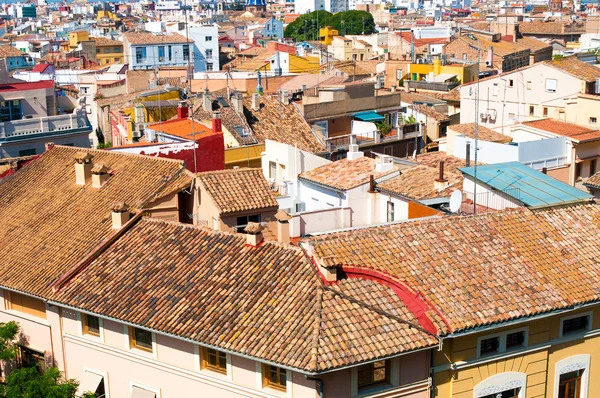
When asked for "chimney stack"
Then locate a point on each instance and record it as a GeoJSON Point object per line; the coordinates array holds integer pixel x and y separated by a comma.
{"type": "Point", "coordinates": [206, 101]}
{"type": "Point", "coordinates": [216, 122]}
{"type": "Point", "coordinates": [120, 215]}
{"type": "Point", "coordinates": [283, 226]}
{"type": "Point", "coordinates": [468, 154]}
{"type": "Point", "coordinates": [254, 236]}
{"type": "Point", "coordinates": [441, 182]}
{"type": "Point", "coordinates": [255, 101]}
{"type": "Point", "coordinates": [238, 102]}
{"type": "Point", "coordinates": [489, 62]}
{"type": "Point", "coordinates": [182, 111]}
{"type": "Point", "coordinates": [284, 97]}
{"type": "Point", "coordinates": [49, 145]}
{"type": "Point", "coordinates": [99, 175]}
{"type": "Point", "coordinates": [383, 163]}
{"type": "Point", "coordinates": [353, 152]}
{"type": "Point", "coordinates": [83, 167]}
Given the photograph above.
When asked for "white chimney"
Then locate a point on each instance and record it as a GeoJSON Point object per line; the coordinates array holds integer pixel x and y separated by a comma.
{"type": "Point", "coordinates": [284, 97]}
{"type": "Point", "coordinates": [120, 215]}
{"type": "Point", "coordinates": [207, 101]}
{"type": "Point", "coordinates": [255, 101]}
{"type": "Point", "coordinates": [238, 102]}
{"type": "Point", "coordinates": [99, 175]}
{"type": "Point", "coordinates": [354, 153]}
{"type": "Point", "coordinates": [383, 163]}
{"type": "Point", "coordinates": [83, 167]}
{"type": "Point", "coordinates": [254, 236]}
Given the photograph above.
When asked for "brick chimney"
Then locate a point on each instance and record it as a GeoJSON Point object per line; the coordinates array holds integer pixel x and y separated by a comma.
{"type": "Point", "coordinates": [99, 175]}
{"type": "Point", "coordinates": [207, 101]}
{"type": "Point", "coordinates": [441, 182]}
{"type": "Point", "coordinates": [83, 167]}
{"type": "Point", "coordinates": [254, 236]}
{"type": "Point", "coordinates": [216, 122]}
{"type": "Point", "coordinates": [283, 226]}
{"type": "Point", "coordinates": [120, 214]}
{"type": "Point", "coordinates": [182, 111]}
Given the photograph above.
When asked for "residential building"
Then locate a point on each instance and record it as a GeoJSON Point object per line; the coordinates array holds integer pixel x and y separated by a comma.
{"type": "Point", "coordinates": [15, 58]}
{"type": "Point", "coordinates": [108, 51]}
{"type": "Point", "coordinates": [206, 47]}
{"type": "Point", "coordinates": [345, 49]}
{"type": "Point", "coordinates": [29, 120]}
{"type": "Point", "coordinates": [39, 72]}
{"type": "Point", "coordinates": [436, 73]}
{"type": "Point", "coordinates": [327, 34]}
{"type": "Point", "coordinates": [405, 46]}
{"type": "Point", "coordinates": [558, 33]}
{"type": "Point", "coordinates": [273, 29]}
{"type": "Point", "coordinates": [144, 50]}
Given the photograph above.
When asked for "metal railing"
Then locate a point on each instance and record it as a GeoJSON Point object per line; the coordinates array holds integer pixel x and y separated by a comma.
{"type": "Point", "coordinates": [47, 124]}
{"type": "Point", "coordinates": [434, 86]}
{"type": "Point", "coordinates": [404, 131]}
{"type": "Point", "coordinates": [500, 200]}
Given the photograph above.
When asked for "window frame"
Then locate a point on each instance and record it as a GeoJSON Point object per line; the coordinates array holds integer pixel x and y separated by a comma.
{"type": "Point", "coordinates": [573, 363]}
{"type": "Point", "coordinates": [133, 341]}
{"type": "Point", "coordinates": [386, 381]}
{"type": "Point", "coordinates": [205, 365]}
{"type": "Point", "coordinates": [266, 380]}
{"type": "Point", "coordinates": [593, 120]}
{"type": "Point", "coordinates": [502, 349]}
{"type": "Point", "coordinates": [589, 326]}
{"type": "Point", "coordinates": [83, 318]}
{"type": "Point", "coordinates": [99, 373]}
{"type": "Point", "coordinates": [555, 85]}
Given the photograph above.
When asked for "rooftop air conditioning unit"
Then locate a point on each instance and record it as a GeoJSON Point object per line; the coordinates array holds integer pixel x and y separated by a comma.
{"type": "Point", "coordinates": [483, 116]}
{"type": "Point", "coordinates": [136, 134]}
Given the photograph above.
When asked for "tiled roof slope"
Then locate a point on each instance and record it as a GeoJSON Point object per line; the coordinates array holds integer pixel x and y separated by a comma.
{"type": "Point", "coordinates": [151, 38]}
{"type": "Point", "coordinates": [282, 123]}
{"type": "Point", "coordinates": [9, 51]}
{"type": "Point", "coordinates": [238, 189]}
{"type": "Point", "coordinates": [49, 223]}
{"type": "Point", "coordinates": [418, 183]}
{"type": "Point", "coordinates": [266, 302]}
{"type": "Point", "coordinates": [485, 269]}
{"type": "Point", "coordinates": [576, 68]}
{"type": "Point", "coordinates": [573, 131]}
{"type": "Point", "coordinates": [483, 133]}
{"type": "Point", "coordinates": [345, 174]}
{"type": "Point", "coordinates": [593, 181]}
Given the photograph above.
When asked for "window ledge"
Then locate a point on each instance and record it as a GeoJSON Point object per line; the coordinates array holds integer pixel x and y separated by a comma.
{"type": "Point", "coordinates": [214, 373]}
{"type": "Point", "coordinates": [275, 391]}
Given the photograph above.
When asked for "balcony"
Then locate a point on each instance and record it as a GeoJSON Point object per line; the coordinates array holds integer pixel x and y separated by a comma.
{"type": "Point", "coordinates": [50, 125]}
{"type": "Point", "coordinates": [432, 86]}
{"type": "Point", "coordinates": [403, 132]}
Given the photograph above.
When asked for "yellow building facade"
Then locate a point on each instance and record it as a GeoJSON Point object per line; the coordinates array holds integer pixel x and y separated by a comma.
{"type": "Point", "coordinates": [553, 356]}
{"type": "Point", "coordinates": [109, 51]}
{"type": "Point", "coordinates": [76, 37]}
{"type": "Point", "coordinates": [464, 73]}
{"type": "Point", "coordinates": [326, 34]}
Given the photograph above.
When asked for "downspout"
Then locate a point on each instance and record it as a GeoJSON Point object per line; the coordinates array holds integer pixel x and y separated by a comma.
{"type": "Point", "coordinates": [320, 382]}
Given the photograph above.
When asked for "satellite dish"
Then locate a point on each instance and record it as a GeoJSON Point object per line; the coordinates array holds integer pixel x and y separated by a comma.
{"type": "Point", "coordinates": [455, 201]}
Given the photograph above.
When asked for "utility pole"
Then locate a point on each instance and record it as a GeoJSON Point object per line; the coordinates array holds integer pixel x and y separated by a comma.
{"type": "Point", "coordinates": [476, 133]}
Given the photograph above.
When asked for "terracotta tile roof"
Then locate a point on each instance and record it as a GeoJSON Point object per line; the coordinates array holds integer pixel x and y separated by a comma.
{"type": "Point", "coordinates": [534, 45]}
{"type": "Point", "coordinates": [345, 174]}
{"type": "Point", "coordinates": [576, 68]}
{"type": "Point", "coordinates": [9, 51]}
{"type": "Point", "coordinates": [550, 28]}
{"type": "Point", "coordinates": [50, 223]}
{"type": "Point", "coordinates": [421, 42]}
{"type": "Point", "coordinates": [182, 128]}
{"type": "Point", "coordinates": [429, 111]}
{"type": "Point", "coordinates": [242, 299]}
{"type": "Point", "coordinates": [238, 190]}
{"type": "Point", "coordinates": [137, 38]}
{"type": "Point", "coordinates": [483, 133]}
{"type": "Point", "coordinates": [432, 159]}
{"type": "Point", "coordinates": [489, 268]}
{"type": "Point", "coordinates": [418, 183]}
{"type": "Point", "coordinates": [570, 130]}
{"type": "Point", "coordinates": [282, 123]}
{"type": "Point", "coordinates": [593, 181]}
{"type": "Point", "coordinates": [103, 42]}
{"type": "Point", "coordinates": [351, 68]}
{"type": "Point", "coordinates": [501, 48]}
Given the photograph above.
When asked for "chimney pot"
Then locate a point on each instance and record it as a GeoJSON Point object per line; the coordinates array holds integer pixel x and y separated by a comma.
{"type": "Point", "coordinates": [83, 167]}
{"type": "Point", "coordinates": [99, 175]}
{"type": "Point", "coordinates": [216, 122]}
{"type": "Point", "coordinates": [255, 101]}
{"type": "Point", "coordinates": [441, 183]}
{"type": "Point", "coordinates": [238, 102]}
{"type": "Point", "coordinates": [254, 236]}
{"type": "Point", "coordinates": [468, 155]}
{"type": "Point", "coordinates": [120, 214]}
{"type": "Point", "coordinates": [207, 101]}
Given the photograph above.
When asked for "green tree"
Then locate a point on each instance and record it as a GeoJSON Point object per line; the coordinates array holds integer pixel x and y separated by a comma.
{"type": "Point", "coordinates": [8, 348]}
{"type": "Point", "coordinates": [29, 383]}
{"type": "Point", "coordinates": [305, 27]}
{"type": "Point", "coordinates": [355, 22]}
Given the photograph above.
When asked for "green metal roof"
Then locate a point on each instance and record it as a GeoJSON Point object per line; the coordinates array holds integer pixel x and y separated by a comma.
{"type": "Point", "coordinates": [531, 187]}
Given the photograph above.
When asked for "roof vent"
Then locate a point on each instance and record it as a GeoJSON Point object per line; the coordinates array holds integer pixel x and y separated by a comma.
{"type": "Point", "coordinates": [99, 175]}
{"type": "Point", "coordinates": [354, 153]}
{"type": "Point", "coordinates": [254, 236]}
{"type": "Point", "coordinates": [120, 214]}
{"type": "Point", "coordinates": [283, 226]}
{"type": "Point", "coordinates": [441, 183]}
{"type": "Point", "coordinates": [83, 167]}
{"type": "Point", "coordinates": [383, 163]}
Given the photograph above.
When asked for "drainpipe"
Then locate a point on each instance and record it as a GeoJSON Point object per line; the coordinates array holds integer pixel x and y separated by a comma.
{"type": "Point", "coordinates": [319, 381]}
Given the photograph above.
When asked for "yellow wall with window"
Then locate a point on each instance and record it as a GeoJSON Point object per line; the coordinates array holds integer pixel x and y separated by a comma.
{"type": "Point", "coordinates": [304, 64]}
{"type": "Point", "coordinates": [76, 37]}
{"type": "Point", "coordinates": [465, 74]}
{"type": "Point", "coordinates": [538, 360]}
{"type": "Point", "coordinates": [110, 57]}
{"type": "Point", "coordinates": [326, 35]}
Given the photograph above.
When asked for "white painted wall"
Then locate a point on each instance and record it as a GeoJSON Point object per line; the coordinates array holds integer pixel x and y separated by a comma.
{"type": "Point", "coordinates": [487, 197]}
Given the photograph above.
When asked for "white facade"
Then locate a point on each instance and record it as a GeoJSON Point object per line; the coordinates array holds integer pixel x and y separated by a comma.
{"type": "Point", "coordinates": [163, 53]}
{"type": "Point", "coordinates": [206, 47]}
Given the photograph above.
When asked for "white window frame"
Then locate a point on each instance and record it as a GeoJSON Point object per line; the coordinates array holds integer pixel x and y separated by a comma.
{"type": "Point", "coordinates": [91, 336]}
{"type": "Point", "coordinates": [495, 89]}
{"type": "Point", "coordinates": [274, 391]}
{"type": "Point", "coordinates": [132, 384]}
{"type": "Point", "coordinates": [138, 351]}
{"type": "Point", "coordinates": [502, 341]}
{"type": "Point", "coordinates": [571, 364]}
{"type": "Point", "coordinates": [589, 314]}
{"type": "Point", "coordinates": [99, 373]}
{"type": "Point", "coordinates": [555, 86]}
{"type": "Point", "coordinates": [501, 382]}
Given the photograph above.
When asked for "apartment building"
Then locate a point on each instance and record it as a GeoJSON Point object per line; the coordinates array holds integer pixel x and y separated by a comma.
{"type": "Point", "coordinates": [108, 51]}
{"type": "Point", "coordinates": [346, 49]}
{"type": "Point", "coordinates": [145, 50]}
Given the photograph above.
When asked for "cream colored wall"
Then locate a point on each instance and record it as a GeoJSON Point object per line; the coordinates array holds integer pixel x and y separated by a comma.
{"type": "Point", "coordinates": [580, 110]}
{"type": "Point", "coordinates": [205, 209]}
{"type": "Point", "coordinates": [165, 208]}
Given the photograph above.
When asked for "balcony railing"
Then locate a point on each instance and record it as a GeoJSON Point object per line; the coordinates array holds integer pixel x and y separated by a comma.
{"type": "Point", "coordinates": [17, 129]}
{"type": "Point", "coordinates": [373, 137]}
{"type": "Point", "coordinates": [423, 85]}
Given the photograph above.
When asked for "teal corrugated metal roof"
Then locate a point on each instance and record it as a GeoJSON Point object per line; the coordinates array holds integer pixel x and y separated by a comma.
{"type": "Point", "coordinates": [531, 187]}
{"type": "Point", "coordinates": [370, 116]}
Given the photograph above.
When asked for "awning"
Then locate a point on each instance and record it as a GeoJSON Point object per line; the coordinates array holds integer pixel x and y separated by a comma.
{"type": "Point", "coordinates": [370, 116]}
{"type": "Point", "coordinates": [137, 392]}
{"type": "Point", "coordinates": [90, 383]}
{"type": "Point", "coordinates": [443, 77]}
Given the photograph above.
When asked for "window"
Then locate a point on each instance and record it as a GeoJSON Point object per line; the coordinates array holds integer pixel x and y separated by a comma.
{"type": "Point", "coordinates": [26, 357]}
{"type": "Point", "coordinates": [117, 50]}
{"type": "Point", "coordinates": [209, 53]}
{"type": "Point", "coordinates": [399, 74]}
{"type": "Point", "coordinates": [209, 66]}
{"type": "Point", "coordinates": [502, 342]}
{"type": "Point", "coordinates": [390, 211]}
{"type": "Point", "coordinates": [551, 85]}
{"type": "Point", "coordinates": [528, 85]}
{"type": "Point", "coordinates": [97, 51]}
{"type": "Point", "coordinates": [117, 59]}
{"type": "Point", "coordinates": [574, 324]}
{"type": "Point", "coordinates": [141, 339]}
{"type": "Point", "coordinates": [377, 372]}
{"type": "Point", "coordinates": [10, 110]}
{"type": "Point", "coordinates": [592, 167]}
{"type": "Point", "coordinates": [274, 377]}
{"type": "Point", "coordinates": [510, 82]}
{"type": "Point", "coordinates": [593, 120]}
{"type": "Point", "coordinates": [186, 52]}
{"type": "Point", "coordinates": [569, 385]}
{"type": "Point", "coordinates": [208, 38]}
{"type": "Point", "coordinates": [273, 170]}
{"type": "Point", "coordinates": [90, 324]}
{"type": "Point", "coordinates": [577, 170]}
{"type": "Point", "coordinates": [495, 89]}
{"type": "Point", "coordinates": [161, 53]}
{"type": "Point", "coordinates": [140, 55]}
{"type": "Point", "coordinates": [27, 152]}
{"type": "Point", "coordinates": [107, 50]}
{"type": "Point", "coordinates": [242, 222]}
{"type": "Point", "coordinates": [511, 116]}
{"type": "Point", "coordinates": [531, 110]}
{"type": "Point", "coordinates": [214, 360]}
{"type": "Point", "coordinates": [545, 112]}
{"type": "Point", "coordinates": [27, 304]}
{"type": "Point", "coordinates": [512, 393]}
{"type": "Point", "coordinates": [170, 53]}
